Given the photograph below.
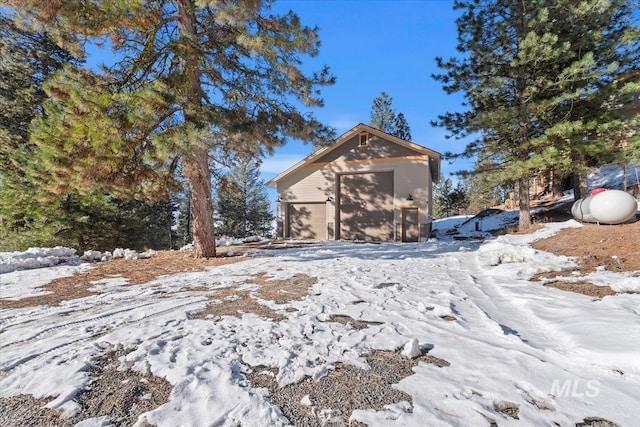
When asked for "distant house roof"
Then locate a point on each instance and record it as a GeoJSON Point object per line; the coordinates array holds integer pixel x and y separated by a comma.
{"type": "Point", "coordinates": [434, 156]}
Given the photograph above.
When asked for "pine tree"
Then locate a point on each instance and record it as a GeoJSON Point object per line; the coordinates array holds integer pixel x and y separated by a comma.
{"type": "Point", "coordinates": [449, 200]}
{"type": "Point", "coordinates": [184, 235]}
{"type": "Point", "coordinates": [104, 223]}
{"type": "Point", "coordinates": [191, 77]}
{"type": "Point", "coordinates": [401, 128]}
{"type": "Point", "coordinates": [243, 204]}
{"type": "Point", "coordinates": [589, 119]}
{"type": "Point", "coordinates": [382, 115]}
{"type": "Point", "coordinates": [27, 59]}
{"type": "Point", "coordinates": [441, 201]}
{"type": "Point", "coordinates": [483, 192]}
{"type": "Point", "coordinates": [459, 199]}
{"type": "Point", "coordinates": [627, 131]}
{"type": "Point", "coordinates": [522, 67]}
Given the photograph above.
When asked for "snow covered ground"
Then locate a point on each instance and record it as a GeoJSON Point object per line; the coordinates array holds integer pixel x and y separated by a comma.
{"type": "Point", "coordinates": [559, 356]}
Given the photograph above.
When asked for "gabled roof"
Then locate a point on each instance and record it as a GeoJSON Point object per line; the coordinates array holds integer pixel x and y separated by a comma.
{"type": "Point", "coordinates": [434, 156]}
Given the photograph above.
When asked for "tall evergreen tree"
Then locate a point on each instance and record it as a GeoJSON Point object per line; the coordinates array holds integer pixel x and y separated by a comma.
{"type": "Point", "coordinates": [104, 223]}
{"type": "Point", "coordinates": [449, 200]}
{"type": "Point", "coordinates": [588, 119]}
{"type": "Point", "coordinates": [382, 115]}
{"type": "Point", "coordinates": [441, 200]}
{"type": "Point", "coordinates": [243, 204]}
{"type": "Point", "coordinates": [401, 128]}
{"type": "Point", "coordinates": [190, 77]}
{"type": "Point", "coordinates": [459, 198]}
{"type": "Point", "coordinates": [521, 66]}
{"type": "Point", "coordinates": [27, 59]}
{"type": "Point", "coordinates": [483, 191]}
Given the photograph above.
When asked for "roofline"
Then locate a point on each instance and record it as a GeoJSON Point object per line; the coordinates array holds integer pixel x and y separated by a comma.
{"type": "Point", "coordinates": [347, 136]}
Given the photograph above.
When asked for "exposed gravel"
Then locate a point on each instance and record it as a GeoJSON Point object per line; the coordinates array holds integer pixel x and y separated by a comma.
{"type": "Point", "coordinates": [120, 395]}
{"type": "Point", "coordinates": [596, 422]}
{"type": "Point", "coordinates": [332, 399]}
{"type": "Point", "coordinates": [348, 320]}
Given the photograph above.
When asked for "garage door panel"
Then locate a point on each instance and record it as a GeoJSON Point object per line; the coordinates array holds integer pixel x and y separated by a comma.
{"type": "Point", "coordinates": [307, 221]}
{"type": "Point", "coordinates": [366, 206]}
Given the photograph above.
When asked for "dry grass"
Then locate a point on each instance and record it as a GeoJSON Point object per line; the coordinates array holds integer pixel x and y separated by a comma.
{"type": "Point", "coordinates": [135, 271]}
{"type": "Point", "coordinates": [509, 409]}
{"type": "Point", "coordinates": [283, 291]}
{"type": "Point", "coordinates": [236, 302]}
{"type": "Point", "coordinates": [616, 247]}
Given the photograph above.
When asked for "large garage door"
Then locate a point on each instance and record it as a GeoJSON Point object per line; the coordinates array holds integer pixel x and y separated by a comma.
{"type": "Point", "coordinates": [307, 221]}
{"type": "Point", "coordinates": [366, 206]}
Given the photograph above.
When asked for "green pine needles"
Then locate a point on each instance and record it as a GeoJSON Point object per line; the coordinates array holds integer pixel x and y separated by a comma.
{"type": "Point", "coordinates": [190, 80]}
{"type": "Point", "coordinates": [545, 83]}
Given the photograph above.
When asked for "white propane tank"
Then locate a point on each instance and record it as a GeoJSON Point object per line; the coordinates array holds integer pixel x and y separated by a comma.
{"type": "Point", "coordinates": [612, 207]}
{"type": "Point", "coordinates": [581, 209]}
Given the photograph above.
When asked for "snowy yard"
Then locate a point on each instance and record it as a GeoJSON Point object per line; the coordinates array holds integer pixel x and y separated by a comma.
{"type": "Point", "coordinates": [502, 349]}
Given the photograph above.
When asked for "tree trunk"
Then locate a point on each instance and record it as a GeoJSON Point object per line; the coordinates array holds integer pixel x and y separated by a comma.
{"type": "Point", "coordinates": [196, 162]}
{"type": "Point", "coordinates": [525, 211]}
{"type": "Point", "coordinates": [197, 170]}
{"type": "Point", "coordinates": [580, 185]}
{"type": "Point", "coordinates": [579, 176]}
{"type": "Point", "coordinates": [557, 190]}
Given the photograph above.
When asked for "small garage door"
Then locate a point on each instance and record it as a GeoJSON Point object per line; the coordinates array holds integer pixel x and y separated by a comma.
{"type": "Point", "coordinates": [366, 206]}
{"type": "Point", "coordinates": [307, 221]}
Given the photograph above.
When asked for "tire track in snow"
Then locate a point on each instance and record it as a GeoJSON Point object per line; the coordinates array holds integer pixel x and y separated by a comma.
{"type": "Point", "coordinates": [102, 329]}
{"type": "Point", "coordinates": [68, 325]}
{"type": "Point", "coordinates": [504, 318]}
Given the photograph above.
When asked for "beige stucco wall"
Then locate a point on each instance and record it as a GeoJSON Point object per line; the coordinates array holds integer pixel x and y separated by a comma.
{"type": "Point", "coordinates": [377, 148]}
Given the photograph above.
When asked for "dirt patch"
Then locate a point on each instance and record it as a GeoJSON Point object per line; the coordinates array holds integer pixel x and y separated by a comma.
{"type": "Point", "coordinates": [347, 320]}
{"type": "Point", "coordinates": [584, 288]}
{"type": "Point", "coordinates": [616, 247]}
{"type": "Point", "coordinates": [235, 302]}
{"type": "Point", "coordinates": [283, 291]}
{"type": "Point", "coordinates": [120, 395]}
{"type": "Point", "coordinates": [613, 248]}
{"type": "Point", "coordinates": [332, 399]}
{"type": "Point", "coordinates": [135, 271]}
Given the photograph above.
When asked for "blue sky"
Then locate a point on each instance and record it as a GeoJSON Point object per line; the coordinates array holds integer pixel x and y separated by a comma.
{"type": "Point", "coordinates": [373, 46]}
